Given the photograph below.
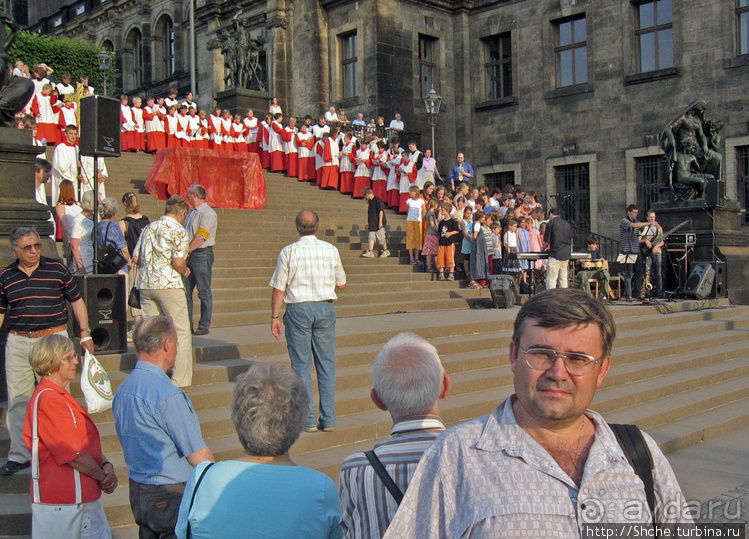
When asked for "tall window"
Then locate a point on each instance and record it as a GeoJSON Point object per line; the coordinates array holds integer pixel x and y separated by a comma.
{"type": "Point", "coordinates": [132, 60]}
{"type": "Point", "coordinates": [498, 66]}
{"type": "Point", "coordinates": [742, 14]}
{"type": "Point", "coordinates": [742, 178]}
{"type": "Point", "coordinates": [167, 39]}
{"type": "Point", "coordinates": [649, 176]}
{"type": "Point", "coordinates": [572, 52]}
{"type": "Point", "coordinates": [349, 64]}
{"type": "Point", "coordinates": [138, 59]}
{"type": "Point", "coordinates": [427, 63]}
{"type": "Point", "coordinates": [655, 35]}
{"type": "Point", "coordinates": [573, 194]}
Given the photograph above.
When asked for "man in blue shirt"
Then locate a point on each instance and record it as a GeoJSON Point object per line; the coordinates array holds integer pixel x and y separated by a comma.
{"type": "Point", "coordinates": [158, 429]}
{"type": "Point", "coordinates": [461, 172]}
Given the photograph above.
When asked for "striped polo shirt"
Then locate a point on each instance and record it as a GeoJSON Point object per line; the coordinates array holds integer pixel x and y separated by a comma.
{"type": "Point", "coordinates": [36, 302]}
{"type": "Point", "coordinates": [366, 505]}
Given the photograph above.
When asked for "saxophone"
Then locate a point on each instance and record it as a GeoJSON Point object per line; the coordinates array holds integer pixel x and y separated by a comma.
{"type": "Point", "coordinates": [647, 286]}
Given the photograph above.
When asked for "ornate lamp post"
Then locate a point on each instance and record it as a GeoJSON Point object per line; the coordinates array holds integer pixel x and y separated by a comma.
{"type": "Point", "coordinates": [105, 62]}
{"type": "Point", "coordinates": [432, 103]}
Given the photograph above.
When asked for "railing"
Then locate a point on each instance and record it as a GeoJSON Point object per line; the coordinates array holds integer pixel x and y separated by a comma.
{"type": "Point", "coordinates": [608, 247]}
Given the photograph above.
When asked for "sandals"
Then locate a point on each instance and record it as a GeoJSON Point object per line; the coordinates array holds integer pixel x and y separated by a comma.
{"type": "Point", "coordinates": [474, 285]}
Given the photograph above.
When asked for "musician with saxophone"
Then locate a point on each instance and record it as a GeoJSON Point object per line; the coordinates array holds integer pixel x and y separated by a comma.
{"type": "Point", "coordinates": [595, 268]}
{"type": "Point", "coordinates": [650, 260]}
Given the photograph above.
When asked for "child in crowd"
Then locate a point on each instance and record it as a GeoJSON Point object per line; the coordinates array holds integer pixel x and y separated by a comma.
{"type": "Point", "coordinates": [305, 141]}
{"type": "Point", "coordinates": [237, 134]}
{"type": "Point", "coordinates": [448, 234]}
{"type": "Point", "coordinates": [171, 125]}
{"type": "Point", "coordinates": [479, 258]}
{"type": "Point", "coordinates": [414, 207]}
{"type": "Point", "coordinates": [467, 230]}
{"type": "Point", "coordinates": [393, 160]}
{"type": "Point", "coordinates": [380, 170]}
{"type": "Point", "coordinates": [496, 229]}
{"type": "Point", "coordinates": [523, 247]}
{"type": "Point", "coordinates": [362, 175]}
{"type": "Point", "coordinates": [376, 222]}
{"type": "Point", "coordinates": [510, 241]}
{"type": "Point", "coordinates": [127, 126]}
{"type": "Point", "coordinates": [139, 133]}
{"type": "Point", "coordinates": [431, 238]}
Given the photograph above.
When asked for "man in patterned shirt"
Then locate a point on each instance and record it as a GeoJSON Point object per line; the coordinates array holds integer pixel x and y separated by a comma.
{"type": "Point", "coordinates": [409, 382]}
{"type": "Point", "coordinates": [542, 464]}
{"type": "Point", "coordinates": [161, 257]}
{"type": "Point", "coordinates": [307, 274]}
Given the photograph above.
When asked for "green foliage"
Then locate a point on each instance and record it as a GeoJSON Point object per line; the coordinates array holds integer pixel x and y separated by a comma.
{"type": "Point", "coordinates": [64, 55]}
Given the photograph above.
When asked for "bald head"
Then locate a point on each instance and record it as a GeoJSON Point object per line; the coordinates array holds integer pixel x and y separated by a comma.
{"type": "Point", "coordinates": [307, 222]}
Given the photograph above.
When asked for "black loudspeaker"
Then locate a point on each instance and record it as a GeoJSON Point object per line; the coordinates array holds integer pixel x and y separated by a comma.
{"type": "Point", "coordinates": [700, 282]}
{"type": "Point", "coordinates": [715, 193]}
{"type": "Point", "coordinates": [504, 291]}
{"type": "Point", "coordinates": [100, 126]}
{"type": "Point", "coordinates": [720, 281]}
{"type": "Point", "coordinates": [106, 303]}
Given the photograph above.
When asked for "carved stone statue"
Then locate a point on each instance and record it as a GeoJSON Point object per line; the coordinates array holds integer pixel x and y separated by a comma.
{"type": "Point", "coordinates": [15, 92]}
{"type": "Point", "coordinates": [691, 147]}
{"type": "Point", "coordinates": [242, 55]}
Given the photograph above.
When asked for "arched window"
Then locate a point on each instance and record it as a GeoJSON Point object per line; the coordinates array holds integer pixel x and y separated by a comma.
{"type": "Point", "coordinates": [132, 59]}
{"type": "Point", "coordinates": [163, 48]}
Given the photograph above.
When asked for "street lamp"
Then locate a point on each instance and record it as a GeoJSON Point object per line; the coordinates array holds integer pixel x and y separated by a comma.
{"type": "Point", "coordinates": [432, 103]}
{"type": "Point", "coordinates": [105, 62]}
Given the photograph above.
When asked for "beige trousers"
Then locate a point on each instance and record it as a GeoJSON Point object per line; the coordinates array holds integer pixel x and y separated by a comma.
{"type": "Point", "coordinates": [172, 303]}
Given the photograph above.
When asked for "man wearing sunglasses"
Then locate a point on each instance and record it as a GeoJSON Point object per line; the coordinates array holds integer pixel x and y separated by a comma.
{"type": "Point", "coordinates": [542, 464]}
{"type": "Point", "coordinates": [33, 292]}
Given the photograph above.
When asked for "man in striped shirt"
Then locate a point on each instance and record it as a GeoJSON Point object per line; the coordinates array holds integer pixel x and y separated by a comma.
{"type": "Point", "coordinates": [33, 291]}
{"type": "Point", "coordinates": [409, 382]}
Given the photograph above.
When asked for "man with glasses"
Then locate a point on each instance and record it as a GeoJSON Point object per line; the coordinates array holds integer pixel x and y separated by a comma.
{"type": "Point", "coordinates": [542, 464]}
{"type": "Point", "coordinates": [33, 291]}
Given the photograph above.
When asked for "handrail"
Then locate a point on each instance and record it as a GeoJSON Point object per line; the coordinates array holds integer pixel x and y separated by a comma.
{"type": "Point", "coordinates": [608, 247]}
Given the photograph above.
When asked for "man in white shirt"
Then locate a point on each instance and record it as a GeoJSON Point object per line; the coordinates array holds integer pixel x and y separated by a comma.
{"type": "Point", "coordinates": [409, 381]}
{"type": "Point", "coordinates": [542, 464]}
{"type": "Point", "coordinates": [87, 171]}
{"type": "Point", "coordinates": [331, 115]}
{"type": "Point", "coordinates": [307, 274]}
{"type": "Point", "coordinates": [396, 125]}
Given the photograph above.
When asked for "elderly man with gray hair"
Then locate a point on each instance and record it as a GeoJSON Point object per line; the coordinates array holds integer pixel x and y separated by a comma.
{"type": "Point", "coordinates": [409, 382]}
{"type": "Point", "coordinates": [158, 429]}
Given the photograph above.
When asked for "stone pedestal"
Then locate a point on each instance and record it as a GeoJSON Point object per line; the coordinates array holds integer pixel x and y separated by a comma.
{"type": "Point", "coordinates": [238, 100]}
{"type": "Point", "coordinates": [720, 236]}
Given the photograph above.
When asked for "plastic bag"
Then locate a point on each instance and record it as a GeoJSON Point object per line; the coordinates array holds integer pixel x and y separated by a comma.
{"type": "Point", "coordinates": [95, 385]}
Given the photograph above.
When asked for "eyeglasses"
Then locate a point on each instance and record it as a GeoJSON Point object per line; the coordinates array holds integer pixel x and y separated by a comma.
{"type": "Point", "coordinates": [542, 359]}
{"type": "Point", "coordinates": [31, 247]}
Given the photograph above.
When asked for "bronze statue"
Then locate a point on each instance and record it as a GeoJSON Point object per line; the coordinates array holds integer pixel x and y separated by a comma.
{"type": "Point", "coordinates": [691, 147]}
{"type": "Point", "coordinates": [15, 92]}
{"type": "Point", "coordinates": [242, 60]}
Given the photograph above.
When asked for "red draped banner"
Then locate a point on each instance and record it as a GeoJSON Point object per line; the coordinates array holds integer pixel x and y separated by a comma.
{"type": "Point", "coordinates": [232, 179]}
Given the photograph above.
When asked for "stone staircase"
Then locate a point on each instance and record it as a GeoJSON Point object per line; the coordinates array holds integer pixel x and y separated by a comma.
{"type": "Point", "coordinates": [683, 376]}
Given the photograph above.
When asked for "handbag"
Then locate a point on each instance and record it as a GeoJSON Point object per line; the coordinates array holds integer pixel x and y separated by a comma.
{"type": "Point", "coordinates": [52, 520]}
{"type": "Point", "coordinates": [110, 259]}
{"type": "Point", "coordinates": [95, 385]}
{"type": "Point", "coordinates": [133, 299]}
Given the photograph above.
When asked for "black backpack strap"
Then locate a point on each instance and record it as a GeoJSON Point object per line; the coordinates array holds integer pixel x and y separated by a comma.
{"type": "Point", "coordinates": [188, 534]}
{"type": "Point", "coordinates": [638, 454]}
{"type": "Point", "coordinates": [384, 476]}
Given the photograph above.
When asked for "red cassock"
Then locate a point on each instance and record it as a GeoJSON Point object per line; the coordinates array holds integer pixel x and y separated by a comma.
{"type": "Point", "coordinates": [330, 169]}
{"type": "Point", "coordinates": [362, 178]}
{"type": "Point", "coordinates": [237, 132]}
{"type": "Point", "coordinates": [44, 109]}
{"type": "Point", "coordinates": [403, 197]}
{"type": "Point", "coordinates": [155, 140]}
{"type": "Point", "coordinates": [347, 177]}
{"type": "Point", "coordinates": [276, 151]}
{"type": "Point", "coordinates": [320, 149]}
{"type": "Point", "coordinates": [306, 168]}
{"type": "Point", "coordinates": [127, 138]}
{"type": "Point", "coordinates": [379, 187]}
{"type": "Point", "coordinates": [214, 131]}
{"type": "Point", "coordinates": [170, 126]}
{"type": "Point", "coordinates": [291, 159]}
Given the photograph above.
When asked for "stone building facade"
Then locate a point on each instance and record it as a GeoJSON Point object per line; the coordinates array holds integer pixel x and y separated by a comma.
{"type": "Point", "coordinates": [566, 97]}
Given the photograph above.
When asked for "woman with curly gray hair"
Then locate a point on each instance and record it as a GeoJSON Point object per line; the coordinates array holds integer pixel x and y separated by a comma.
{"type": "Point", "coordinates": [262, 493]}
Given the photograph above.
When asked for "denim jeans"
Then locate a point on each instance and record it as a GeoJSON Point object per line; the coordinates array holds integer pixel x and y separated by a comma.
{"type": "Point", "coordinates": [310, 335]}
{"type": "Point", "coordinates": [201, 267]}
{"type": "Point", "coordinates": [155, 508]}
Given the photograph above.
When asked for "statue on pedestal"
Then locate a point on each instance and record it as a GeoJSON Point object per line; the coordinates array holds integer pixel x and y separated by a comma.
{"type": "Point", "coordinates": [15, 92]}
{"type": "Point", "coordinates": [242, 55]}
{"type": "Point", "coordinates": [691, 146]}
